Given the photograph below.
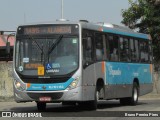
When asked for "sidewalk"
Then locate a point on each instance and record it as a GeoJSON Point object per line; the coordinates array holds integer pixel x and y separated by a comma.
{"type": "Point", "coordinates": [150, 96]}
{"type": "Point", "coordinates": [6, 99]}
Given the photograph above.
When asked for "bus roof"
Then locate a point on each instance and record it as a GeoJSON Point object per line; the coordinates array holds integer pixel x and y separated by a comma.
{"type": "Point", "coordinates": [108, 28]}
{"type": "Point", "coordinates": [114, 29]}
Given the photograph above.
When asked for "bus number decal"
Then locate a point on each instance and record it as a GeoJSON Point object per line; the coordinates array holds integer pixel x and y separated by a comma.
{"type": "Point", "coordinates": [40, 70]}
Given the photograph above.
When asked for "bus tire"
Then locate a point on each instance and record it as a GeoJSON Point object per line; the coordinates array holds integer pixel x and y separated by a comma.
{"type": "Point", "coordinates": [133, 99]}
{"type": "Point", "coordinates": [41, 106]}
{"type": "Point", "coordinates": [93, 104]}
{"type": "Point", "coordinates": [135, 94]}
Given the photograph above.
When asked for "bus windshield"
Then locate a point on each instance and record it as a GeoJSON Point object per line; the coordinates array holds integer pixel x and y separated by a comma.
{"type": "Point", "coordinates": [58, 55]}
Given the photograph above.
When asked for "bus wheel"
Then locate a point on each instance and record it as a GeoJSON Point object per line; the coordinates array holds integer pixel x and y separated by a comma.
{"type": "Point", "coordinates": [41, 106]}
{"type": "Point", "coordinates": [135, 94]}
{"type": "Point", "coordinates": [93, 104]}
{"type": "Point", "coordinates": [131, 100]}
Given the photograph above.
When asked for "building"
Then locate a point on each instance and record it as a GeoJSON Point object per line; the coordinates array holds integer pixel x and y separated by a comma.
{"type": "Point", "coordinates": [3, 40]}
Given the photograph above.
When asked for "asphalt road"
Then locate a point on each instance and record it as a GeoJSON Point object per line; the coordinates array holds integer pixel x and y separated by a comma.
{"type": "Point", "coordinates": [109, 109]}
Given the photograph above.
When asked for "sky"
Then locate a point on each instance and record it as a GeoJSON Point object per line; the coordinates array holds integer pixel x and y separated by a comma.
{"type": "Point", "coordinates": [19, 12]}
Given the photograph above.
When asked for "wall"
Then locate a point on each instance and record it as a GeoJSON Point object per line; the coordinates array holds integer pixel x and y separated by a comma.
{"type": "Point", "coordinates": [156, 84]}
{"type": "Point", "coordinates": [6, 86]}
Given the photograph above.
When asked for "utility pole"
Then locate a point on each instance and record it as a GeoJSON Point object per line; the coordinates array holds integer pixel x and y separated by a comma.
{"type": "Point", "coordinates": [24, 18]}
{"type": "Point", "coordinates": [62, 9]}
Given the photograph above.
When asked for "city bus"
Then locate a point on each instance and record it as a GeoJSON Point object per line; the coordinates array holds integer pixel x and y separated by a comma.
{"type": "Point", "coordinates": [81, 63]}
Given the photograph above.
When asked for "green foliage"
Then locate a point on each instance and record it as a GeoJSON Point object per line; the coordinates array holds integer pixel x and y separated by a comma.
{"type": "Point", "coordinates": [144, 15]}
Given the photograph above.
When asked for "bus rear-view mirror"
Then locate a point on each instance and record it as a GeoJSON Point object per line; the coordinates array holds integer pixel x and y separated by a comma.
{"type": "Point", "coordinates": [8, 48]}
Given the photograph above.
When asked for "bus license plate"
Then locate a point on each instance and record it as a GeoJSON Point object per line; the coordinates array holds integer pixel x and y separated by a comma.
{"type": "Point", "coordinates": [45, 99]}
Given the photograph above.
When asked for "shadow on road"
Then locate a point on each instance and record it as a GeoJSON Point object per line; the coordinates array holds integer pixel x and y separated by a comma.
{"type": "Point", "coordinates": [59, 108]}
{"type": "Point", "coordinates": [115, 104]}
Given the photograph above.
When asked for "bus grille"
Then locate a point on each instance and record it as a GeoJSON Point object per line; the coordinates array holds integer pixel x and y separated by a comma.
{"type": "Point", "coordinates": [45, 80]}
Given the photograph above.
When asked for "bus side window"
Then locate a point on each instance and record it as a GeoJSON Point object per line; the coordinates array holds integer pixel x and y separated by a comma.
{"type": "Point", "coordinates": [100, 53]}
{"type": "Point", "coordinates": [144, 51]}
{"type": "Point", "coordinates": [132, 48]}
{"type": "Point", "coordinates": [106, 47]}
{"type": "Point", "coordinates": [113, 44]}
{"type": "Point", "coordinates": [150, 51]}
{"type": "Point", "coordinates": [136, 50]}
{"type": "Point", "coordinates": [124, 50]}
{"type": "Point", "coordinates": [87, 47]}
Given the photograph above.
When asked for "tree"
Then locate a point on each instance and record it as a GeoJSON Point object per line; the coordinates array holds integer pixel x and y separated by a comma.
{"type": "Point", "coordinates": [144, 15]}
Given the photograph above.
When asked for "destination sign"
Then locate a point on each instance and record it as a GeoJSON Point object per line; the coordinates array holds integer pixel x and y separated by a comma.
{"type": "Point", "coordinates": [52, 29]}
{"type": "Point", "coordinates": [48, 30]}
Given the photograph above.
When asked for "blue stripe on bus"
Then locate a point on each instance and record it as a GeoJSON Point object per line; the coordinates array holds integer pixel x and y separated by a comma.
{"type": "Point", "coordinates": [138, 35]}
{"type": "Point", "coordinates": [50, 87]}
{"type": "Point", "coordinates": [124, 73]}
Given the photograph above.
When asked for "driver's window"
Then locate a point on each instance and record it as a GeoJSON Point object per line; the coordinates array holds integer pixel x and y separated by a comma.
{"type": "Point", "coordinates": [87, 46]}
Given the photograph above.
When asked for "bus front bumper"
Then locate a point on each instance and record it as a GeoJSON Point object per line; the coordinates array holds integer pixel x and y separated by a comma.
{"type": "Point", "coordinates": [55, 96]}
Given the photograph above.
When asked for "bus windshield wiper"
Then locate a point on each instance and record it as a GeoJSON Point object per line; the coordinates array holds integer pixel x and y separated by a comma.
{"type": "Point", "coordinates": [38, 46]}
{"type": "Point", "coordinates": [54, 44]}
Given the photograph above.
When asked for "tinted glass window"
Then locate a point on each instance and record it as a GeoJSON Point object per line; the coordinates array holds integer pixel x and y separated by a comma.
{"type": "Point", "coordinates": [88, 46]}
{"type": "Point", "coordinates": [150, 51]}
{"type": "Point", "coordinates": [113, 45]}
{"type": "Point", "coordinates": [144, 51]}
{"type": "Point", "coordinates": [100, 53]}
{"type": "Point", "coordinates": [124, 50]}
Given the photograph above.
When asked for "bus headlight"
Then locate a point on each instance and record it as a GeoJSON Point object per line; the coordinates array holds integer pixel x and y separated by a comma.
{"type": "Point", "coordinates": [74, 83]}
{"type": "Point", "coordinates": [19, 86]}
